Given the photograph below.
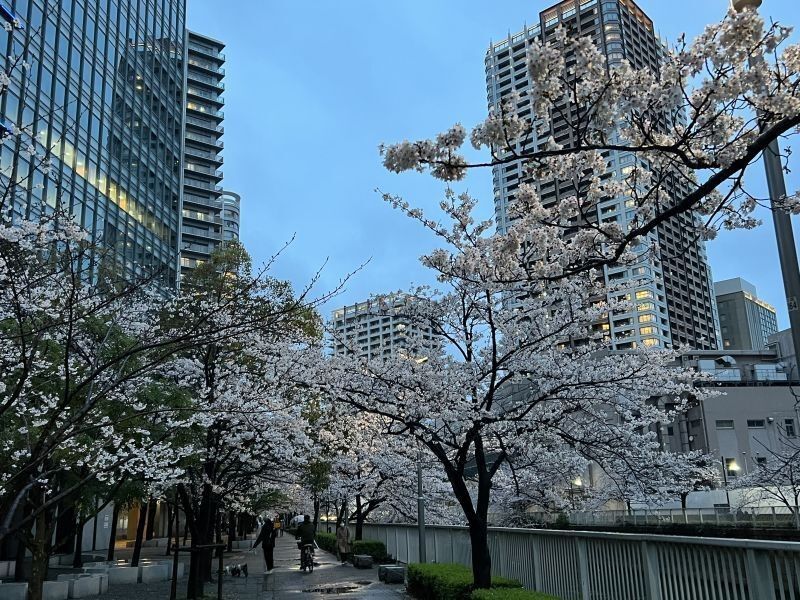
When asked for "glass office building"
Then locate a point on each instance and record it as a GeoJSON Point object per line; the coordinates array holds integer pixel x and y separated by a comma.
{"type": "Point", "coordinates": [99, 88]}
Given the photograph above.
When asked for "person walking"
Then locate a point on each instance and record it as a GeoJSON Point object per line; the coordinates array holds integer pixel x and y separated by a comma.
{"type": "Point", "coordinates": [343, 542]}
{"type": "Point", "coordinates": [266, 538]}
{"type": "Point", "coordinates": [278, 525]}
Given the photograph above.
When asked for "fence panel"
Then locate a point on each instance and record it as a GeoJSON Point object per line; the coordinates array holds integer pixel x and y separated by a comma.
{"type": "Point", "coordinates": [575, 565]}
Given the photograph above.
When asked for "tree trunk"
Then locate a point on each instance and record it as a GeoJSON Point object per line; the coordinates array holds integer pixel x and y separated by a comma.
{"type": "Point", "coordinates": [152, 506]}
{"type": "Point", "coordinates": [137, 545]}
{"type": "Point", "coordinates": [316, 511]}
{"type": "Point", "coordinates": [77, 558]}
{"type": "Point", "coordinates": [112, 535]}
{"type": "Point", "coordinates": [359, 519]}
{"type": "Point", "coordinates": [684, 496]}
{"type": "Point", "coordinates": [39, 556]}
{"type": "Point", "coordinates": [21, 563]}
{"type": "Point", "coordinates": [481, 559]}
{"type": "Point", "coordinates": [231, 530]}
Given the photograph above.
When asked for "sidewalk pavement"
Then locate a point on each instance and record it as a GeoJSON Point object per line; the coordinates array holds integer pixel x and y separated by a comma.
{"type": "Point", "coordinates": [286, 582]}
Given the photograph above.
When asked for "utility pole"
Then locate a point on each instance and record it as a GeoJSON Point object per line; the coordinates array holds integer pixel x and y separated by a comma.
{"type": "Point", "coordinates": [782, 220]}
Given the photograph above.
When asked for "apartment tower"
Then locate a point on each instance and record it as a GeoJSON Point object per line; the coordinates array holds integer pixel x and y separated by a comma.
{"type": "Point", "coordinates": [202, 228]}
{"type": "Point", "coordinates": [673, 291]}
{"type": "Point", "coordinates": [379, 329]}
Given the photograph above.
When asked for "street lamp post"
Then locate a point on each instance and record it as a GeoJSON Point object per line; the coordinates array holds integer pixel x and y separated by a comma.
{"type": "Point", "coordinates": [782, 221]}
{"type": "Point", "coordinates": [421, 512]}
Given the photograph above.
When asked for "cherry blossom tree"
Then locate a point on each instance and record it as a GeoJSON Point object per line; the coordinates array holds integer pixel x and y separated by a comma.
{"type": "Point", "coordinates": [777, 478]}
{"type": "Point", "coordinates": [521, 373]}
{"type": "Point", "coordinates": [694, 129]}
{"type": "Point", "coordinates": [247, 431]}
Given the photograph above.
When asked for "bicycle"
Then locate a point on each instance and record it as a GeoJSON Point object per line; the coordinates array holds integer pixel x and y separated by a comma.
{"type": "Point", "coordinates": [307, 558]}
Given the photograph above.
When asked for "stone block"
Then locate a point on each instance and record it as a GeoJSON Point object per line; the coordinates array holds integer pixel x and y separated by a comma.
{"type": "Point", "coordinates": [82, 586]}
{"type": "Point", "coordinates": [14, 591]}
{"type": "Point", "coordinates": [392, 574]}
{"type": "Point", "coordinates": [155, 572]}
{"type": "Point", "coordinates": [362, 561]}
{"type": "Point", "coordinates": [97, 570]}
{"type": "Point", "coordinates": [123, 575]}
{"type": "Point", "coordinates": [103, 577]}
{"type": "Point", "coordinates": [56, 590]}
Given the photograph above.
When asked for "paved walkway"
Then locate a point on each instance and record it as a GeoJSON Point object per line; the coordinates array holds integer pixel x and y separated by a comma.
{"type": "Point", "coordinates": [330, 579]}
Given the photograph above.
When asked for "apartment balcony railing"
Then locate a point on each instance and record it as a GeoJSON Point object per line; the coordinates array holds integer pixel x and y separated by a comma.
{"type": "Point", "coordinates": [580, 565]}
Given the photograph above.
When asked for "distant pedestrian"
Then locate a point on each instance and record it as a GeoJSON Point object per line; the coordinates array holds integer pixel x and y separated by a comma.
{"type": "Point", "coordinates": [278, 525]}
{"type": "Point", "coordinates": [266, 538]}
{"type": "Point", "coordinates": [343, 542]}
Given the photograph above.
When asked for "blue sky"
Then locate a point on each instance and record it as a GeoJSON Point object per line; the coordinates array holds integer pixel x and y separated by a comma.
{"type": "Point", "coordinates": [312, 89]}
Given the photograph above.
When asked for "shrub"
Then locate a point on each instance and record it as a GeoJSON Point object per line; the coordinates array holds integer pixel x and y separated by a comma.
{"type": "Point", "coordinates": [448, 582]}
{"type": "Point", "coordinates": [327, 541]}
{"type": "Point", "coordinates": [509, 595]}
{"type": "Point", "coordinates": [377, 550]}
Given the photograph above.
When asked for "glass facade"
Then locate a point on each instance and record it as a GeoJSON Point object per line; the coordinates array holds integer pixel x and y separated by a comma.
{"type": "Point", "coordinates": [100, 90]}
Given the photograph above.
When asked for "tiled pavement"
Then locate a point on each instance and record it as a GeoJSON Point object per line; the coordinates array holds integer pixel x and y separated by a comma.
{"type": "Point", "coordinates": [329, 580]}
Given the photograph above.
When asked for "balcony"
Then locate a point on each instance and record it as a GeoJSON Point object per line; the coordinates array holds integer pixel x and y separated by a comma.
{"type": "Point", "coordinates": [203, 124]}
{"type": "Point", "coordinates": [204, 154]}
{"type": "Point", "coordinates": [207, 51]}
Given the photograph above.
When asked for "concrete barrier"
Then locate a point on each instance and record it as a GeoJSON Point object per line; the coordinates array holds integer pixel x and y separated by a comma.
{"type": "Point", "coordinates": [151, 573]}
{"type": "Point", "coordinates": [82, 586]}
{"type": "Point", "coordinates": [103, 577]}
{"type": "Point", "coordinates": [123, 575]}
{"type": "Point", "coordinates": [14, 591]}
{"type": "Point", "coordinates": [362, 561]}
{"type": "Point", "coordinates": [55, 590]}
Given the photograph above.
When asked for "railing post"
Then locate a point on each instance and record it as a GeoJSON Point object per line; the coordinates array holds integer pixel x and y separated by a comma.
{"type": "Point", "coordinates": [583, 568]}
{"type": "Point", "coordinates": [652, 571]}
{"type": "Point", "coordinates": [759, 575]}
{"type": "Point", "coordinates": [173, 588]}
{"type": "Point", "coordinates": [537, 562]}
{"type": "Point", "coordinates": [220, 570]}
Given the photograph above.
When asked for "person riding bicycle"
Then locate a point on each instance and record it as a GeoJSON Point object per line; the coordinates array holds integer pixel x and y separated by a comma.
{"type": "Point", "coordinates": [306, 534]}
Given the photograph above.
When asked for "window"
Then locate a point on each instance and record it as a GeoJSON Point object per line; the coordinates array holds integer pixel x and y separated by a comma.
{"type": "Point", "coordinates": [647, 318]}
{"type": "Point", "coordinates": [761, 461]}
{"type": "Point", "coordinates": [648, 331]}
{"type": "Point", "coordinates": [651, 342]}
{"type": "Point", "coordinates": [670, 430]}
{"type": "Point", "coordinates": [724, 424]}
{"type": "Point", "coordinates": [642, 294]}
{"type": "Point", "coordinates": [755, 423]}
{"type": "Point", "coordinates": [731, 467]}
{"type": "Point", "coordinates": [788, 427]}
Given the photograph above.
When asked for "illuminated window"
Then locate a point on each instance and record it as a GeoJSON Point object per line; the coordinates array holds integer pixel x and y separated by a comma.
{"type": "Point", "coordinates": [645, 306]}
{"type": "Point", "coordinates": [651, 342]}
{"type": "Point", "coordinates": [642, 294]}
{"type": "Point", "coordinates": [648, 331]}
{"type": "Point", "coordinates": [647, 318]}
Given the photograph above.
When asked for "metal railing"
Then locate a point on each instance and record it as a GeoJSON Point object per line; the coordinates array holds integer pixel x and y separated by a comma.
{"type": "Point", "coordinates": [577, 565]}
{"type": "Point", "coordinates": [771, 517]}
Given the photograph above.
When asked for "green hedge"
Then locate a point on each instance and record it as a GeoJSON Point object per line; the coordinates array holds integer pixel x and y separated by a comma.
{"type": "Point", "coordinates": [448, 582]}
{"type": "Point", "coordinates": [509, 595]}
{"type": "Point", "coordinates": [327, 541]}
{"type": "Point", "coordinates": [377, 550]}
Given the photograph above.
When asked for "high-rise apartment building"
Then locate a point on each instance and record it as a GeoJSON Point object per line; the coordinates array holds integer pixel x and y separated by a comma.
{"type": "Point", "coordinates": [672, 291]}
{"type": "Point", "coordinates": [745, 321]}
{"type": "Point", "coordinates": [100, 94]}
{"type": "Point", "coordinates": [379, 329]}
{"type": "Point", "coordinates": [203, 222]}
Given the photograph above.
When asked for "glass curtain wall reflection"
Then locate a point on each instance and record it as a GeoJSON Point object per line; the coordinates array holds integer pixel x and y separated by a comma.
{"type": "Point", "coordinates": [97, 87]}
